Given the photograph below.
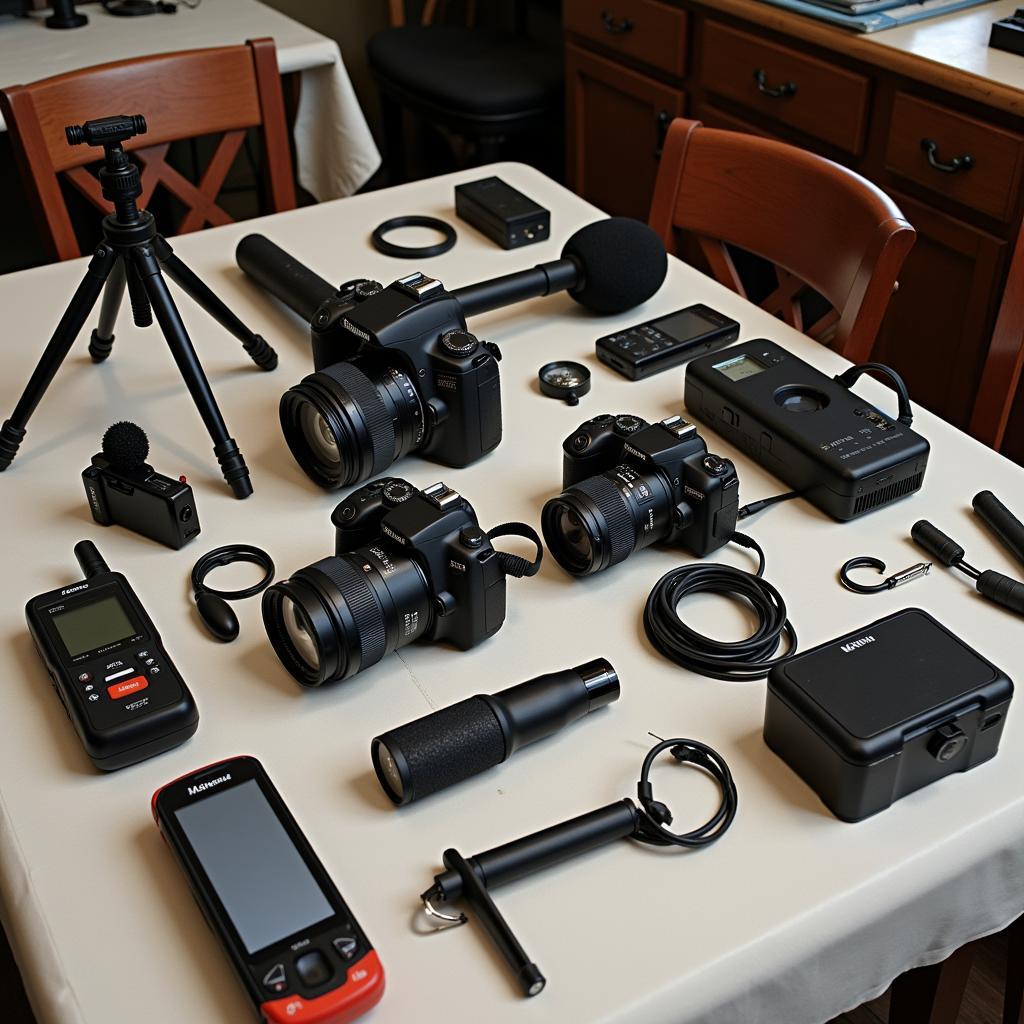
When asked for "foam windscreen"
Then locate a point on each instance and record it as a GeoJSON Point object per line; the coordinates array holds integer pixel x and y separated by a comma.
{"type": "Point", "coordinates": [623, 263]}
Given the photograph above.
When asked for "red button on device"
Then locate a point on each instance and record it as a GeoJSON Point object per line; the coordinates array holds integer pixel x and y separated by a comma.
{"type": "Point", "coordinates": [361, 991]}
{"type": "Point", "coordinates": [127, 686]}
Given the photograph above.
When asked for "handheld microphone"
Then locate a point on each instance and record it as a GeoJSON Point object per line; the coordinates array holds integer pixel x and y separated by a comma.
{"type": "Point", "coordinates": [607, 266]}
{"type": "Point", "coordinates": [466, 738]}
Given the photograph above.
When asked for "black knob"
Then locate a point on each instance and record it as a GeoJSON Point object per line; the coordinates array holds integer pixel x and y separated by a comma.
{"type": "Point", "coordinates": [459, 342]}
{"type": "Point", "coordinates": [472, 536]}
{"type": "Point", "coordinates": [580, 443]}
{"type": "Point", "coordinates": [396, 492]}
{"type": "Point", "coordinates": [947, 742]}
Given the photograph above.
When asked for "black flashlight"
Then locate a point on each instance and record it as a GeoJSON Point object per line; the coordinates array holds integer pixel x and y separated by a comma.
{"type": "Point", "coordinates": [475, 734]}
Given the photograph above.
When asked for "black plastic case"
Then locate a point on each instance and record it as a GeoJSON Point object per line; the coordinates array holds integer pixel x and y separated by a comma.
{"type": "Point", "coordinates": [884, 710]}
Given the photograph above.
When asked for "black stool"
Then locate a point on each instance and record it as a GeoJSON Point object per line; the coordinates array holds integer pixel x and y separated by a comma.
{"type": "Point", "coordinates": [481, 83]}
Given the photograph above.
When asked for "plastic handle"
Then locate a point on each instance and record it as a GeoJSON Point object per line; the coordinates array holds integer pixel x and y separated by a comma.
{"type": "Point", "coordinates": [1002, 522]}
{"type": "Point", "coordinates": [1002, 590]}
{"type": "Point", "coordinates": [940, 546]}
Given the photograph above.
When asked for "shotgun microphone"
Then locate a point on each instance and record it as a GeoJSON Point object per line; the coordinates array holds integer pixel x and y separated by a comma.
{"type": "Point", "coordinates": [607, 266]}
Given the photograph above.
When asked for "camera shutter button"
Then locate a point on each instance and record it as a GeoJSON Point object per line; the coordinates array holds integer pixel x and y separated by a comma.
{"type": "Point", "coordinates": [580, 443]}
{"type": "Point", "coordinates": [714, 465]}
{"type": "Point", "coordinates": [459, 342]}
{"type": "Point", "coordinates": [472, 536]}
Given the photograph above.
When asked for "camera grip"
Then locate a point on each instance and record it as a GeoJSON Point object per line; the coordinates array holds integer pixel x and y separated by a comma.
{"type": "Point", "coordinates": [1002, 590]}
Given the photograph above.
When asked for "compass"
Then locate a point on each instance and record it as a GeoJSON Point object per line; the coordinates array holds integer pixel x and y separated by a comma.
{"type": "Point", "coordinates": [565, 380]}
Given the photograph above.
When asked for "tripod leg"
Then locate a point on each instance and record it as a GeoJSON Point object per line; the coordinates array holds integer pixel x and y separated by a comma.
{"type": "Point", "coordinates": [71, 323]}
{"type": "Point", "coordinates": [230, 458]}
{"type": "Point", "coordinates": [101, 341]}
{"type": "Point", "coordinates": [262, 354]}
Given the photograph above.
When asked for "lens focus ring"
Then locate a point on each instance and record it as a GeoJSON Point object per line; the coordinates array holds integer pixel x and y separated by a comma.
{"type": "Point", "coordinates": [379, 424]}
{"type": "Point", "coordinates": [364, 606]}
{"type": "Point", "coordinates": [612, 505]}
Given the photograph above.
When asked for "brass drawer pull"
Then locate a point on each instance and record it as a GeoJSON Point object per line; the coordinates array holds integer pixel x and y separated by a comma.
{"type": "Point", "coordinates": [614, 26]}
{"type": "Point", "coordinates": [778, 92]}
{"type": "Point", "coordinates": [959, 163]}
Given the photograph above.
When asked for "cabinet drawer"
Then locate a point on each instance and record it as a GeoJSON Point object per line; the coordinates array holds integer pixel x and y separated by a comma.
{"type": "Point", "coordinates": [971, 162]}
{"type": "Point", "coordinates": [811, 96]}
{"type": "Point", "coordinates": [645, 30]}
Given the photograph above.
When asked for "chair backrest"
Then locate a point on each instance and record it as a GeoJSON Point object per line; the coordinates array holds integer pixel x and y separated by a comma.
{"type": "Point", "coordinates": [1001, 374]}
{"type": "Point", "coordinates": [182, 95]}
{"type": "Point", "coordinates": [821, 225]}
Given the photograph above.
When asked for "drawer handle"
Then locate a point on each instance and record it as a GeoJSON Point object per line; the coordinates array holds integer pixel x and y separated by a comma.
{"type": "Point", "coordinates": [614, 26]}
{"type": "Point", "coordinates": [778, 92]}
{"type": "Point", "coordinates": [959, 163]}
{"type": "Point", "coordinates": [661, 123]}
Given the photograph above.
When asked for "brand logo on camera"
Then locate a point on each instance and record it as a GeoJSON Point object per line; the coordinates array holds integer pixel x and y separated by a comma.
{"type": "Point", "coordinates": [630, 450]}
{"type": "Point", "coordinates": [358, 331]}
{"type": "Point", "coordinates": [854, 644]}
{"type": "Point", "coordinates": [200, 787]}
{"type": "Point", "coordinates": [388, 532]}
{"type": "Point", "coordinates": [71, 590]}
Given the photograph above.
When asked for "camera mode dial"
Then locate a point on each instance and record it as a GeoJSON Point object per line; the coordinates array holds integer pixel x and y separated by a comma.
{"type": "Point", "coordinates": [459, 342]}
{"type": "Point", "coordinates": [396, 491]}
{"type": "Point", "coordinates": [628, 424]}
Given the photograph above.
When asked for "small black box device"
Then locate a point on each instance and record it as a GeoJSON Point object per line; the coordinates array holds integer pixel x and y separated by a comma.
{"type": "Point", "coordinates": [124, 489]}
{"type": "Point", "coordinates": [1008, 34]}
{"type": "Point", "coordinates": [837, 450]}
{"type": "Point", "coordinates": [668, 341]}
{"type": "Point", "coordinates": [292, 940]}
{"type": "Point", "coordinates": [880, 712]}
{"type": "Point", "coordinates": [502, 213]}
{"type": "Point", "coordinates": [118, 685]}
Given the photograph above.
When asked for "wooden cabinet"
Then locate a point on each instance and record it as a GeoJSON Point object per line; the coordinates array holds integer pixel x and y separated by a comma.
{"type": "Point", "coordinates": [615, 124]}
{"type": "Point", "coordinates": [752, 68]}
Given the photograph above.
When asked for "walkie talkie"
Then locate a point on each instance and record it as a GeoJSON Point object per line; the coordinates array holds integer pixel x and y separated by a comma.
{"type": "Point", "coordinates": [118, 685]}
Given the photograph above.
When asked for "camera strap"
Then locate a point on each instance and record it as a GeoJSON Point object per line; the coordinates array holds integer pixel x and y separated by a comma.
{"type": "Point", "coordinates": [850, 376]}
{"type": "Point", "coordinates": [516, 565]}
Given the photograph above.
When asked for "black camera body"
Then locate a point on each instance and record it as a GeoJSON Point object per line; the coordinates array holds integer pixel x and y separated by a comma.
{"type": "Point", "coordinates": [403, 353]}
{"type": "Point", "coordinates": [438, 529]}
{"type": "Point", "coordinates": [628, 484]}
{"type": "Point", "coordinates": [123, 488]}
{"type": "Point", "coordinates": [410, 565]}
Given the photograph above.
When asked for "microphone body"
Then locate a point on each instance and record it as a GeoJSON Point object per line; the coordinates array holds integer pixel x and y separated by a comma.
{"type": "Point", "coordinates": [286, 278]}
{"type": "Point", "coordinates": [466, 738]}
{"type": "Point", "coordinates": [543, 279]}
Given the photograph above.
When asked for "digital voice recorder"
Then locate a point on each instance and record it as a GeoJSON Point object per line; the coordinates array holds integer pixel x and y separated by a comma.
{"type": "Point", "coordinates": [836, 449]}
{"type": "Point", "coordinates": [293, 942]}
{"type": "Point", "coordinates": [120, 689]}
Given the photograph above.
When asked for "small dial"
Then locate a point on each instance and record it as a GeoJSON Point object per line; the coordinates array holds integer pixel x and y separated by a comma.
{"type": "Point", "coordinates": [459, 342]}
{"type": "Point", "coordinates": [397, 491]}
{"type": "Point", "coordinates": [628, 424]}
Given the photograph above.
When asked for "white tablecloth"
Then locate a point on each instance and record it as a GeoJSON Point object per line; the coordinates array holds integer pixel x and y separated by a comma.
{"type": "Point", "coordinates": [336, 152]}
{"type": "Point", "coordinates": [792, 918]}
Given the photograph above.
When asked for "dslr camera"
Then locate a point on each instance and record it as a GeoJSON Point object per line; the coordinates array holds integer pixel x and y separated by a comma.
{"type": "Point", "coordinates": [123, 488]}
{"type": "Point", "coordinates": [397, 372]}
{"type": "Point", "coordinates": [409, 565]}
{"type": "Point", "coordinates": [628, 484]}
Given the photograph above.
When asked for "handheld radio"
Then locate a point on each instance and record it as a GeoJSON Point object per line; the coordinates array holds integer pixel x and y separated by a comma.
{"type": "Point", "coordinates": [118, 685]}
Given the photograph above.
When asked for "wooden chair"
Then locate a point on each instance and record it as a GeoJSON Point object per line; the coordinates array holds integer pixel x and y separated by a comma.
{"type": "Point", "coordinates": [482, 84]}
{"type": "Point", "coordinates": [1000, 376]}
{"type": "Point", "coordinates": [183, 95]}
{"type": "Point", "coordinates": [821, 226]}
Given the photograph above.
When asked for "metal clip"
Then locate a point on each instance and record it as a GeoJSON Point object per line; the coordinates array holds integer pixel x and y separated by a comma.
{"type": "Point", "coordinates": [897, 579]}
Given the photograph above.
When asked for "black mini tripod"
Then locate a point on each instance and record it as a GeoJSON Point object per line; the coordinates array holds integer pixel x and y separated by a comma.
{"type": "Point", "coordinates": [132, 253]}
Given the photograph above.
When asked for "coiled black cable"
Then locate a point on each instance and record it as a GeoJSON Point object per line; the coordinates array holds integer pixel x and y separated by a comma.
{"type": "Point", "coordinates": [655, 816]}
{"type": "Point", "coordinates": [740, 661]}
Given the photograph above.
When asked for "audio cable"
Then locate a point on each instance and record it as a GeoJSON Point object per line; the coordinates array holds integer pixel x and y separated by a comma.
{"type": "Point", "coordinates": [739, 661]}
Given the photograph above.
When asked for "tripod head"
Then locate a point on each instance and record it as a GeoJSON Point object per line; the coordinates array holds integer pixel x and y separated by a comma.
{"type": "Point", "coordinates": [120, 179]}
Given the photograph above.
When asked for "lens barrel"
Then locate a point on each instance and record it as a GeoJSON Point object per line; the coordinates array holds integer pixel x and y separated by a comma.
{"type": "Point", "coordinates": [464, 739]}
{"type": "Point", "coordinates": [351, 421]}
{"type": "Point", "coordinates": [342, 614]}
{"type": "Point", "coordinates": [602, 520]}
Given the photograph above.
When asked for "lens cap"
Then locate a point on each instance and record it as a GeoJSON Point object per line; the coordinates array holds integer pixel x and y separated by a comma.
{"type": "Point", "coordinates": [565, 380]}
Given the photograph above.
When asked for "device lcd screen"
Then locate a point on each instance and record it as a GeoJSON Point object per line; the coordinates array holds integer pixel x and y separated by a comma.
{"type": "Point", "coordinates": [685, 324]}
{"type": "Point", "coordinates": [739, 368]}
{"type": "Point", "coordinates": [93, 625]}
{"type": "Point", "coordinates": [258, 875]}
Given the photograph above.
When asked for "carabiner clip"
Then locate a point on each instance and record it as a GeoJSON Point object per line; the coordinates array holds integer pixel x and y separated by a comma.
{"type": "Point", "coordinates": [897, 579]}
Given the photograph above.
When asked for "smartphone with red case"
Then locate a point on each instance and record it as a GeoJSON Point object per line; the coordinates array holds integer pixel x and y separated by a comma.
{"type": "Point", "coordinates": [292, 940]}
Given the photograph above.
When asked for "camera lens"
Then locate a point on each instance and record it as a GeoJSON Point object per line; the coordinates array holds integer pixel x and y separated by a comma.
{"type": "Point", "coordinates": [600, 521]}
{"type": "Point", "coordinates": [389, 771]}
{"type": "Point", "coordinates": [350, 421]}
{"type": "Point", "coordinates": [341, 615]}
